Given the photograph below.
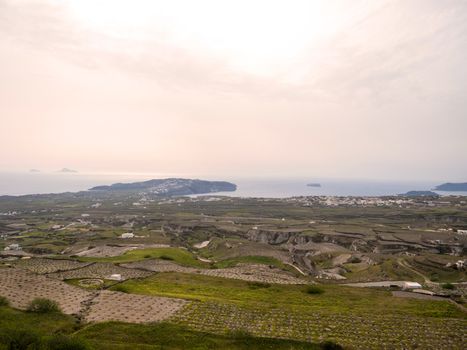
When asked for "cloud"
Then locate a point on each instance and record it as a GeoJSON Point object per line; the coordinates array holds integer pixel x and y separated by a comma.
{"type": "Point", "coordinates": [383, 91]}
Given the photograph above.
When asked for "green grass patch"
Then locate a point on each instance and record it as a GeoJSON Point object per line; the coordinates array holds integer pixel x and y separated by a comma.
{"type": "Point", "coordinates": [389, 269]}
{"type": "Point", "coordinates": [265, 260]}
{"type": "Point", "coordinates": [168, 336]}
{"type": "Point", "coordinates": [335, 298]}
{"type": "Point", "coordinates": [42, 323]}
{"type": "Point", "coordinates": [448, 286]}
{"type": "Point", "coordinates": [180, 256]}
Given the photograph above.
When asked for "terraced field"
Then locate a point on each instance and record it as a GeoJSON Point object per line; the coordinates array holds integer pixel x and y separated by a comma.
{"type": "Point", "coordinates": [295, 312]}
{"type": "Point", "coordinates": [272, 275]}
{"type": "Point", "coordinates": [45, 266]}
{"type": "Point", "coordinates": [20, 287]}
{"type": "Point", "coordinates": [113, 306]}
{"type": "Point", "coordinates": [247, 272]}
{"type": "Point", "coordinates": [102, 271]}
{"type": "Point", "coordinates": [368, 331]}
{"type": "Point", "coordinates": [181, 256]}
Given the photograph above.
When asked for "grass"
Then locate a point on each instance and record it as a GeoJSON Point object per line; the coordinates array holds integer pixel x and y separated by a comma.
{"type": "Point", "coordinates": [389, 269]}
{"type": "Point", "coordinates": [180, 256]}
{"type": "Point", "coordinates": [45, 323]}
{"type": "Point", "coordinates": [58, 331]}
{"type": "Point", "coordinates": [168, 336]}
{"type": "Point", "coordinates": [436, 271]}
{"type": "Point", "coordinates": [448, 286]}
{"type": "Point", "coordinates": [265, 260]}
{"type": "Point", "coordinates": [334, 299]}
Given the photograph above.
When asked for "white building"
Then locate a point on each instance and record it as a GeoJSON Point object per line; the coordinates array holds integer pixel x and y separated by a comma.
{"type": "Point", "coordinates": [462, 232]}
{"type": "Point", "coordinates": [411, 285]}
{"type": "Point", "coordinates": [115, 277]}
{"type": "Point", "coordinates": [127, 235]}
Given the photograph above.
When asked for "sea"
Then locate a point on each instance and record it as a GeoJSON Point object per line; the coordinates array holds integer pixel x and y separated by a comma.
{"type": "Point", "coordinates": [39, 183]}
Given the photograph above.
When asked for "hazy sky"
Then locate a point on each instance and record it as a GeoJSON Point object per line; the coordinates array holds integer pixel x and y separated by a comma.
{"type": "Point", "coordinates": [368, 89]}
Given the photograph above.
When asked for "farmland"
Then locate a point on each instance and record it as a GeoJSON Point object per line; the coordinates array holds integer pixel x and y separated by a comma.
{"type": "Point", "coordinates": [233, 272]}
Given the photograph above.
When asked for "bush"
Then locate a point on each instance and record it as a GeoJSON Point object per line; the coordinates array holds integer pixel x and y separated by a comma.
{"type": "Point", "coordinates": [19, 339]}
{"type": "Point", "coordinates": [43, 306]}
{"type": "Point", "coordinates": [355, 260]}
{"type": "Point", "coordinates": [257, 285]}
{"type": "Point", "coordinates": [4, 301]}
{"type": "Point", "coordinates": [120, 288]}
{"type": "Point", "coordinates": [239, 334]}
{"type": "Point", "coordinates": [64, 342]}
{"type": "Point", "coordinates": [448, 286]}
{"type": "Point", "coordinates": [314, 290]}
{"type": "Point", "coordinates": [330, 345]}
{"type": "Point", "coordinates": [166, 257]}
{"type": "Point", "coordinates": [147, 256]}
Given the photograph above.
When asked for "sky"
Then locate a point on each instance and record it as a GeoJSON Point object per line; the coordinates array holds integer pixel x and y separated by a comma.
{"type": "Point", "coordinates": [333, 88]}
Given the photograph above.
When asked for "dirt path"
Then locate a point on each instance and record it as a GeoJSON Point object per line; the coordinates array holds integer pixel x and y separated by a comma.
{"type": "Point", "coordinates": [426, 280]}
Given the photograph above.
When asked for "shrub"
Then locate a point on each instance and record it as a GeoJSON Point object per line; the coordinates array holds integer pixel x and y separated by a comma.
{"type": "Point", "coordinates": [314, 290]}
{"type": "Point", "coordinates": [43, 306]}
{"type": "Point", "coordinates": [355, 260]}
{"type": "Point", "coordinates": [19, 339]}
{"type": "Point", "coordinates": [257, 285]}
{"type": "Point", "coordinates": [147, 256]}
{"type": "Point", "coordinates": [239, 334]}
{"type": "Point", "coordinates": [166, 257]}
{"type": "Point", "coordinates": [64, 342]}
{"type": "Point", "coordinates": [121, 288]}
{"type": "Point", "coordinates": [4, 301]}
{"type": "Point", "coordinates": [448, 286]}
{"type": "Point", "coordinates": [330, 345]}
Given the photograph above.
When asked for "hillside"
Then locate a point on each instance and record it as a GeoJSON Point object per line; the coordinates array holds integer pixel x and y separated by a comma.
{"type": "Point", "coordinates": [171, 187]}
{"type": "Point", "coordinates": [452, 186]}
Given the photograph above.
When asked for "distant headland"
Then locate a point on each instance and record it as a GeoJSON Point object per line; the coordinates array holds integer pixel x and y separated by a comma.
{"type": "Point", "coordinates": [452, 187]}
{"type": "Point", "coordinates": [171, 187]}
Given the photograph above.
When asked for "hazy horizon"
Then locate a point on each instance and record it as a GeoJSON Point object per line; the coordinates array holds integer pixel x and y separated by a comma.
{"type": "Point", "coordinates": [302, 89]}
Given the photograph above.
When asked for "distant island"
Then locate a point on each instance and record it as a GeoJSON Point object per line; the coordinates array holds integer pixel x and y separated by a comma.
{"type": "Point", "coordinates": [171, 187]}
{"type": "Point", "coordinates": [66, 170]}
{"type": "Point", "coordinates": [452, 187]}
{"type": "Point", "coordinates": [420, 194]}
{"type": "Point", "coordinates": [314, 184]}
{"type": "Point", "coordinates": [34, 171]}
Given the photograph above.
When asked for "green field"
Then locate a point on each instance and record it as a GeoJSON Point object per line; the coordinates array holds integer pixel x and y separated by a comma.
{"type": "Point", "coordinates": [180, 256]}
{"type": "Point", "coordinates": [22, 330]}
{"type": "Point", "coordinates": [354, 317]}
{"type": "Point", "coordinates": [265, 260]}
{"type": "Point", "coordinates": [335, 298]}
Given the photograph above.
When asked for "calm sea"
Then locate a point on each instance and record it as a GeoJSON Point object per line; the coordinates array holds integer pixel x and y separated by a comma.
{"type": "Point", "coordinates": [32, 183]}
